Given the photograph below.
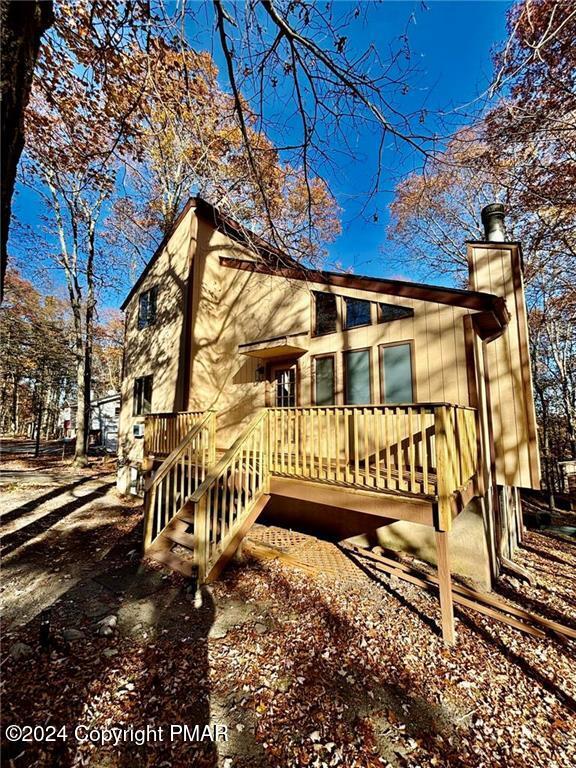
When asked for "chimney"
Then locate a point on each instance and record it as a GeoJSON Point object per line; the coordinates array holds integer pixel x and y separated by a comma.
{"type": "Point", "coordinates": [493, 221]}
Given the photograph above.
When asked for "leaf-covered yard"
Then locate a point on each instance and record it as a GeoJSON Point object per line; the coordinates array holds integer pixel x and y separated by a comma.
{"type": "Point", "coordinates": [304, 670]}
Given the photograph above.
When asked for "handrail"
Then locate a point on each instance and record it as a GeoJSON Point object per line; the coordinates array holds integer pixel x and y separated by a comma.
{"type": "Point", "coordinates": [223, 502]}
{"type": "Point", "coordinates": [181, 447]}
{"type": "Point", "coordinates": [164, 431]}
{"type": "Point", "coordinates": [155, 519]}
{"type": "Point", "coordinates": [230, 454]}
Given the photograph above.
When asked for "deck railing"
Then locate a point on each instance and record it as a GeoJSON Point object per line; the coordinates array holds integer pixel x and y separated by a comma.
{"type": "Point", "coordinates": [421, 450]}
{"type": "Point", "coordinates": [163, 432]}
{"type": "Point", "coordinates": [424, 449]}
{"type": "Point", "coordinates": [229, 493]}
{"type": "Point", "coordinates": [179, 475]}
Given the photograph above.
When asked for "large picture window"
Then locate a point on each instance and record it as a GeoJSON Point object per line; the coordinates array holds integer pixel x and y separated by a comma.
{"type": "Point", "coordinates": [357, 312]}
{"type": "Point", "coordinates": [147, 308]}
{"type": "Point", "coordinates": [324, 380]}
{"type": "Point", "coordinates": [358, 388]}
{"type": "Point", "coordinates": [396, 373]}
{"type": "Point", "coordinates": [326, 313]}
{"type": "Point", "coordinates": [142, 396]}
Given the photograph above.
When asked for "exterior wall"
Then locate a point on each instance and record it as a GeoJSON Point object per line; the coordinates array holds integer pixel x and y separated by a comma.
{"type": "Point", "coordinates": [159, 349]}
{"type": "Point", "coordinates": [233, 307]}
{"type": "Point", "coordinates": [495, 268]}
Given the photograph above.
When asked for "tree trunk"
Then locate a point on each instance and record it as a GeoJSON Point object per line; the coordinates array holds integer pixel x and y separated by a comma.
{"type": "Point", "coordinates": [38, 428]}
{"type": "Point", "coordinates": [15, 406]}
{"type": "Point", "coordinates": [22, 22]}
{"type": "Point", "coordinates": [80, 457]}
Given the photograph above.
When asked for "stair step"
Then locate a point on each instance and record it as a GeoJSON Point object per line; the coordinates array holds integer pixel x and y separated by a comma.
{"type": "Point", "coordinates": [176, 537]}
{"type": "Point", "coordinates": [176, 563]}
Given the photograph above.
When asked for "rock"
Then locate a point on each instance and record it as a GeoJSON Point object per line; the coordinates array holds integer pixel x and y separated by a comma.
{"type": "Point", "coordinates": [20, 650]}
{"type": "Point", "coordinates": [260, 629]}
{"type": "Point", "coordinates": [217, 633]}
{"type": "Point", "coordinates": [109, 621]}
{"type": "Point", "coordinates": [107, 625]}
{"type": "Point", "coordinates": [109, 652]}
{"type": "Point", "coordinates": [71, 634]}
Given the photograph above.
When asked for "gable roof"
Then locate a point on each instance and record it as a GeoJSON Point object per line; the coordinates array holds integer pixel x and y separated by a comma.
{"type": "Point", "coordinates": [275, 262]}
{"type": "Point", "coordinates": [226, 225]}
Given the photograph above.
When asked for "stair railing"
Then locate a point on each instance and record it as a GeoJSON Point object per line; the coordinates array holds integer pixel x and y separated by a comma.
{"type": "Point", "coordinates": [229, 493]}
{"type": "Point", "coordinates": [183, 470]}
{"type": "Point", "coordinates": [163, 432]}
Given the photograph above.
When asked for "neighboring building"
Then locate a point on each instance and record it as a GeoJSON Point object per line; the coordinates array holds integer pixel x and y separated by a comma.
{"type": "Point", "coordinates": [568, 474]}
{"type": "Point", "coordinates": [104, 418]}
{"type": "Point", "coordinates": [389, 409]}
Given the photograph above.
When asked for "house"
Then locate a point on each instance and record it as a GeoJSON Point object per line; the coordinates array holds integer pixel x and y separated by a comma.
{"type": "Point", "coordinates": [392, 411]}
{"type": "Point", "coordinates": [568, 474]}
{"type": "Point", "coordinates": [104, 418]}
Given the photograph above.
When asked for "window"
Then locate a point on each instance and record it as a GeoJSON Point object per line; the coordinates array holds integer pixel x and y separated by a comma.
{"type": "Point", "coordinates": [326, 313]}
{"type": "Point", "coordinates": [147, 308]}
{"type": "Point", "coordinates": [142, 396]}
{"type": "Point", "coordinates": [357, 312]}
{"type": "Point", "coordinates": [358, 389]}
{"type": "Point", "coordinates": [324, 381]}
{"type": "Point", "coordinates": [396, 372]}
{"type": "Point", "coordinates": [285, 385]}
{"type": "Point", "coordinates": [388, 312]}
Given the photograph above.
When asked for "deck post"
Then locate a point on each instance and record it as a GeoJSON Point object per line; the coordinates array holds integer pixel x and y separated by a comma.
{"type": "Point", "coordinates": [445, 582]}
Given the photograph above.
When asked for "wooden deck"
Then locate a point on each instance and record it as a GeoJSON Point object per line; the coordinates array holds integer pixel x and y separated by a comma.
{"type": "Point", "coordinates": [414, 462]}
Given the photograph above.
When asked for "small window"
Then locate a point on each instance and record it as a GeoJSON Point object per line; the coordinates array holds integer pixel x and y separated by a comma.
{"type": "Point", "coordinates": [142, 396]}
{"type": "Point", "coordinates": [147, 308]}
{"type": "Point", "coordinates": [358, 389]}
{"type": "Point", "coordinates": [388, 312]}
{"type": "Point", "coordinates": [324, 381]}
{"type": "Point", "coordinates": [326, 313]}
{"type": "Point", "coordinates": [396, 371]}
{"type": "Point", "coordinates": [357, 312]}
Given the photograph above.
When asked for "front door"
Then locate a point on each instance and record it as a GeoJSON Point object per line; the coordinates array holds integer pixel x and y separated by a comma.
{"type": "Point", "coordinates": [284, 379]}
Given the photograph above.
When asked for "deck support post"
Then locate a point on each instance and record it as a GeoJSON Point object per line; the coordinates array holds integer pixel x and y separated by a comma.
{"type": "Point", "coordinates": [445, 582]}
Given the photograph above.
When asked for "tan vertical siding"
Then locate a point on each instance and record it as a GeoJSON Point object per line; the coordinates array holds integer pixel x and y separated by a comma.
{"type": "Point", "coordinates": [496, 269]}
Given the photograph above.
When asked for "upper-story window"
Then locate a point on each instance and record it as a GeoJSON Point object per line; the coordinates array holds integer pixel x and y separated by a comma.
{"type": "Point", "coordinates": [357, 312]}
{"type": "Point", "coordinates": [326, 313]}
{"type": "Point", "coordinates": [142, 396]}
{"type": "Point", "coordinates": [388, 312]}
{"type": "Point", "coordinates": [147, 307]}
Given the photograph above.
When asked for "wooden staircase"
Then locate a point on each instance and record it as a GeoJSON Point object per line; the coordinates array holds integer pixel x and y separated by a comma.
{"type": "Point", "coordinates": [197, 512]}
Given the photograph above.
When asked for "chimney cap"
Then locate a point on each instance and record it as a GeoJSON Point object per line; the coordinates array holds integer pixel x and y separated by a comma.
{"type": "Point", "coordinates": [493, 220]}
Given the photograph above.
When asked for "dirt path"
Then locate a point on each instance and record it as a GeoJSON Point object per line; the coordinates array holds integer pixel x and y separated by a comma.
{"type": "Point", "coordinates": [53, 535]}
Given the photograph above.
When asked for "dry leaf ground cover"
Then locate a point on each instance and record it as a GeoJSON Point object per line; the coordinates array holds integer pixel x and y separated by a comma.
{"type": "Point", "coordinates": [303, 670]}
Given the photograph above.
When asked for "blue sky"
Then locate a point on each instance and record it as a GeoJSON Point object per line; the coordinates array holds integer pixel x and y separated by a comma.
{"type": "Point", "coordinates": [451, 45]}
